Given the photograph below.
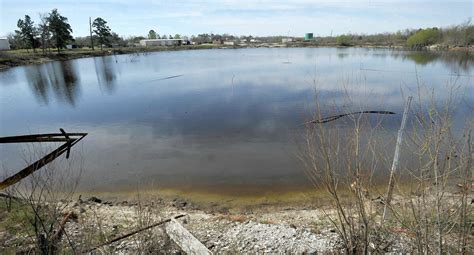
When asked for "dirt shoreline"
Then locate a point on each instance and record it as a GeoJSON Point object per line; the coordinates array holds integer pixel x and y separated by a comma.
{"type": "Point", "coordinates": [9, 59]}
{"type": "Point", "coordinates": [263, 229]}
{"type": "Point", "coordinates": [287, 230]}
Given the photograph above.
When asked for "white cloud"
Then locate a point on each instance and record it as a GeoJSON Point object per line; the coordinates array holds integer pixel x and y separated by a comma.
{"type": "Point", "coordinates": [257, 17]}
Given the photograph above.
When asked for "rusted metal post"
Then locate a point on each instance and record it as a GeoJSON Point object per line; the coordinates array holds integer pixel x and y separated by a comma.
{"type": "Point", "coordinates": [66, 147]}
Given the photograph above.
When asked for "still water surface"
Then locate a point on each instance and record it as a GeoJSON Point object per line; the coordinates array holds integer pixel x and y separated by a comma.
{"type": "Point", "coordinates": [208, 119]}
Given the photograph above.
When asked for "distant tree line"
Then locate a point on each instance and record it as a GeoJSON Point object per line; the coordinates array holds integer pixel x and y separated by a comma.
{"type": "Point", "coordinates": [458, 35]}
{"type": "Point", "coordinates": [153, 35]}
{"type": "Point", "coordinates": [54, 31]}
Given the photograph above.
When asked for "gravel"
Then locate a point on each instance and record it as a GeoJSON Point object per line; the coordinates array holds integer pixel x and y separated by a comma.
{"type": "Point", "coordinates": [221, 233]}
{"type": "Point", "coordinates": [254, 237]}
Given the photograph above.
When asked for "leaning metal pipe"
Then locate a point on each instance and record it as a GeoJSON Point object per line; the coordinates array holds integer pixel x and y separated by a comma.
{"type": "Point", "coordinates": [39, 163]}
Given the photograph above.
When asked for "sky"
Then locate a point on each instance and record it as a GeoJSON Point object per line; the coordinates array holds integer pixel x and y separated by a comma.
{"type": "Point", "coordinates": [244, 17]}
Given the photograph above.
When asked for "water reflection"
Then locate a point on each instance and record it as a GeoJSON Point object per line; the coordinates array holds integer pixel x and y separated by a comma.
{"type": "Point", "coordinates": [210, 117]}
{"type": "Point", "coordinates": [106, 74]}
{"type": "Point", "coordinates": [422, 58]}
{"type": "Point", "coordinates": [39, 83]}
{"type": "Point", "coordinates": [59, 78]}
{"type": "Point", "coordinates": [7, 78]}
{"type": "Point", "coordinates": [65, 85]}
{"type": "Point", "coordinates": [342, 55]}
{"type": "Point", "coordinates": [455, 61]}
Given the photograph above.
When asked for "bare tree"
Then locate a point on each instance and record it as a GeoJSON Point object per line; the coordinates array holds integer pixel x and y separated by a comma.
{"type": "Point", "coordinates": [433, 211]}
{"type": "Point", "coordinates": [45, 33]}
{"type": "Point", "coordinates": [342, 156]}
{"type": "Point", "coordinates": [430, 212]}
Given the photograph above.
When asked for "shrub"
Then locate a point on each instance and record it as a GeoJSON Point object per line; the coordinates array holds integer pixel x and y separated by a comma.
{"type": "Point", "coordinates": [344, 40]}
{"type": "Point", "coordinates": [423, 37]}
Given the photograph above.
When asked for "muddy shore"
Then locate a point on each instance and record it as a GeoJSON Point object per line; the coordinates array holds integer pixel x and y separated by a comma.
{"type": "Point", "coordinates": [9, 59]}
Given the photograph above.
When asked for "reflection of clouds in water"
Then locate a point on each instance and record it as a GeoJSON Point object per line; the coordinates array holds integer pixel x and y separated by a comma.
{"type": "Point", "coordinates": [357, 82]}
{"type": "Point", "coordinates": [264, 66]}
{"type": "Point", "coordinates": [247, 115]}
{"type": "Point", "coordinates": [7, 78]}
{"type": "Point", "coordinates": [230, 113]}
{"type": "Point", "coordinates": [256, 76]}
{"type": "Point", "coordinates": [59, 78]}
{"type": "Point", "coordinates": [115, 153]}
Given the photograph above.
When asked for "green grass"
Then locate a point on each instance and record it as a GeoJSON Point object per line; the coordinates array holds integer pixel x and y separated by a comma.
{"type": "Point", "coordinates": [14, 221]}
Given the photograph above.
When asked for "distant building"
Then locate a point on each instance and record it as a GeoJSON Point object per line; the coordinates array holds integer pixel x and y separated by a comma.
{"type": "Point", "coordinates": [71, 46]}
{"type": "Point", "coordinates": [308, 36]}
{"type": "Point", "coordinates": [4, 44]}
{"type": "Point", "coordinates": [286, 40]}
{"type": "Point", "coordinates": [230, 43]}
{"type": "Point", "coordinates": [160, 42]}
{"type": "Point", "coordinates": [217, 41]}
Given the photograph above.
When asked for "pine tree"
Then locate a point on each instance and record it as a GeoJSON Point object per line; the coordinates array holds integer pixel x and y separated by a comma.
{"type": "Point", "coordinates": [28, 32]}
{"type": "Point", "coordinates": [60, 29]}
{"type": "Point", "coordinates": [102, 31]}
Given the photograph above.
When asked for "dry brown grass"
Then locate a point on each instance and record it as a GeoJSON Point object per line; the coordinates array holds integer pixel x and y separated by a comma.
{"type": "Point", "coordinates": [426, 214]}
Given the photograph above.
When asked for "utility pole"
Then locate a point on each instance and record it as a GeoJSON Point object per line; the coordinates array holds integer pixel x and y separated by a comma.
{"type": "Point", "coordinates": [90, 30]}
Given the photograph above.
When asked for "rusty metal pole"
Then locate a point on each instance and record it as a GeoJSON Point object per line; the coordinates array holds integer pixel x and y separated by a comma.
{"type": "Point", "coordinates": [66, 147]}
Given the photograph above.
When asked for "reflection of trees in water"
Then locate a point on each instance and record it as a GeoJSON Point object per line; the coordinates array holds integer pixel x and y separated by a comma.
{"type": "Point", "coordinates": [342, 55]}
{"type": "Point", "coordinates": [463, 61]}
{"type": "Point", "coordinates": [65, 87]}
{"type": "Point", "coordinates": [38, 82]}
{"type": "Point", "coordinates": [455, 61]}
{"type": "Point", "coordinates": [60, 77]}
{"type": "Point", "coordinates": [105, 73]}
{"type": "Point", "coordinates": [422, 58]}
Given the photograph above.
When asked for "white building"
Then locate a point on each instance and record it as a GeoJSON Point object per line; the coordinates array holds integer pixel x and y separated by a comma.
{"type": "Point", "coordinates": [230, 43]}
{"type": "Point", "coordinates": [4, 44]}
{"type": "Point", "coordinates": [160, 42]}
